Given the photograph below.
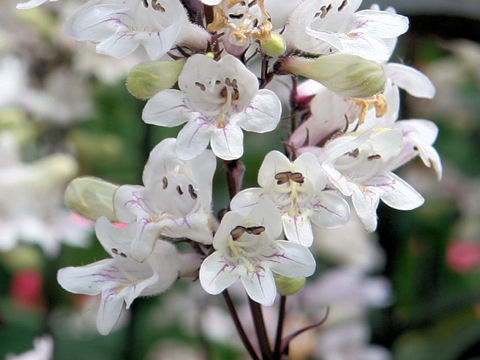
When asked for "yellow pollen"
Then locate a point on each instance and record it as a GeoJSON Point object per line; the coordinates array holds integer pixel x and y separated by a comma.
{"type": "Point", "coordinates": [380, 103]}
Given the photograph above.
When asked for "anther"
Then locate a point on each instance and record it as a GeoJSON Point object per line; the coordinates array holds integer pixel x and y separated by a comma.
{"type": "Point", "coordinates": [165, 182]}
{"type": "Point", "coordinates": [342, 6]}
{"type": "Point", "coordinates": [192, 192]}
{"type": "Point", "coordinates": [200, 85]}
{"type": "Point", "coordinates": [179, 190]}
{"type": "Point", "coordinates": [157, 6]}
{"type": "Point", "coordinates": [374, 157]}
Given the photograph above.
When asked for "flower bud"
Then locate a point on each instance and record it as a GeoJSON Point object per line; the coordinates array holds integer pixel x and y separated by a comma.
{"type": "Point", "coordinates": [91, 197]}
{"type": "Point", "coordinates": [51, 171]}
{"type": "Point", "coordinates": [348, 75]}
{"type": "Point", "coordinates": [289, 286]}
{"type": "Point", "coordinates": [275, 46]}
{"type": "Point", "coordinates": [147, 79]}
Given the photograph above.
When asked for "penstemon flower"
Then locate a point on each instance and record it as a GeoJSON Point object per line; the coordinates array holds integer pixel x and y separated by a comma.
{"type": "Point", "coordinates": [246, 250]}
{"type": "Point", "coordinates": [241, 22]}
{"type": "Point", "coordinates": [326, 26]}
{"type": "Point", "coordinates": [121, 279]}
{"type": "Point", "coordinates": [174, 202]}
{"type": "Point", "coordinates": [119, 27]}
{"type": "Point", "coordinates": [298, 189]}
{"type": "Point", "coordinates": [217, 100]}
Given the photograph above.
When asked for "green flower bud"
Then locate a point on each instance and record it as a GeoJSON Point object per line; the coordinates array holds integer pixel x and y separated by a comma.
{"type": "Point", "coordinates": [348, 75]}
{"type": "Point", "coordinates": [147, 79]}
{"type": "Point", "coordinates": [275, 46]}
{"type": "Point", "coordinates": [51, 172]}
{"type": "Point", "coordinates": [289, 286]}
{"type": "Point", "coordinates": [91, 197]}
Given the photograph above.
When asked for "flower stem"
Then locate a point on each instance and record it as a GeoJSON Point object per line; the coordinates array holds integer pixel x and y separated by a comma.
{"type": "Point", "coordinates": [256, 310]}
{"type": "Point", "coordinates": [278, 338]}
{"type": "Point", "coordinates": [238, 325]}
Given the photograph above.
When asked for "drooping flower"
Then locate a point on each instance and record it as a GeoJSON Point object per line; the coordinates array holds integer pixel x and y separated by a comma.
{"type": "Point", "coordinates": [119, 27]}
{"type": "Point", "coordinates": [217, 100]}
{"type": "Point", "coordinates": [175, 201]}
{"type": "Point", "coordinates": [359, 166]}
{"type": "Point", "coordinates": [246, 249]}
{"type": "Point", "coordinates": [121, 279]}
{"type": "Point", "coordinates": [241, 22]}
{"type": "Point", "coordinates": [326, 26]}
{"type": "Point", "coordinates": [298, 189]}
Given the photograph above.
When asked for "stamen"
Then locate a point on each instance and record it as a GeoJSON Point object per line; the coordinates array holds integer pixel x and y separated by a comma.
{"type": "Point", "coordinates": [165, 182]}
{"type": "Point", "coordinates": [179, 190]}
{"type": "Point", "coordinates": [201, 86]}
{"type": "Point", "coordinates": [342, 6]}
{"type": "Point", "coordinates": [157, 6]}
{"type": "Point", "coordinates": [354, 153]}
{"type": "Point", "coordinates": [374, 157]}
{"type": "Point", "coordinates": [192, 192]}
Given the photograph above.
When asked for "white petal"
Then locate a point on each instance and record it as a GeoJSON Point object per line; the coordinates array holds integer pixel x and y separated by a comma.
{"type": "Point", "coordinates": [30, 4]}
{"type": "Point", "coordinates": [227, 142]}
{"type": "Point", "coordinates": [119, 45]}
{"type": "Point", "coordinates": [294, 261]}
{"type": "Point", "coordinates": [129, 203]}
{"type": "Point", "coordinates": [108, 312]}
{"type": "Point", "coordinates": [195, 226]}
{"type": "Point", "coordinates": [89, 279]}
{"type": "Point", "coordinates": [411, 80]}
{"type": "Point", "coordinates": [158, 161]}
{"type": "Point", "coordinates": [229, 221]}
{"type": "Point", "coordinates": [246, 199]}
{"type": "Point", "coordinates": [330, 210]}
{"type": "Point", "coordinates": [158, 43]}
{"type": "Point", "coordinates": [193, 138]}
{"type": "Point", "coordinates": [398, 193]}
{"type": "Point", "coordinates": [382, 24]}
{"type": "Point", "coordinates": [266, 214]}
{"type": "Point", "coordinates": [298, 229]}
{"type": "Point", "coordinates": [203, 168]}
{"type": "Point", "coordinates": [365, 204]}
{"type": "Point", "coordinates": [260, 286]}
{"type": "Point", "coordinates": [216, 275]}
{"type": "Point", "coordinates": [167, 108]}
{"type": "Point", "coordinates": [273, 163]}
{"type": "Point", "coordinates": [263, 113]}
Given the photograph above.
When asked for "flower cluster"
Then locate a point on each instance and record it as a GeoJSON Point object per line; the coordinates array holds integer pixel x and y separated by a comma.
{"type": "Point", "coordinates": [340, 159]}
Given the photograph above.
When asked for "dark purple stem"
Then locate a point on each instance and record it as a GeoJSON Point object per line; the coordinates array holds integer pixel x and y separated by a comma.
{"type": "Point", "coordinates": [256, 310]}
{"type": "Point", "coordinates": [239, 327]}
{"type": "Point", "coordinates": [277, 355]}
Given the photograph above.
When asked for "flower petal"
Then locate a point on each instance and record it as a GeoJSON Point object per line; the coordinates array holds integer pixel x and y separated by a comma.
{"type": "Point", "coordinates": [193, 138]}
{"type": "Point", "coordinates": [109, 312]}
{"type": "Point", "coordinates": [245, 199]}
{"type": "Point", "coordinates": [293, 260]}
{"type": "Point", "coordinates": [119, 45]}
{"type": "Point", "coordinates": [411, 80]}
{"type": "Point", "coordinates": [330, 210]}
{"type": "Point", "coordinates": [227, 142]}
{"type": "Point", "coordinates": [273, 163]}
{"type": "Point", "coordinates": [167, 108]}
{"type": "Point", "coordinates": [263, 113]}
{"type": "Point", "coordinates": [398, 193]}
{"type": "Point", "coordinates": [129, 203]}
{"type": "Point", "coordinates": [298, 229]}
{"type": "Point", "coordinates": [260, 286]}
{"type": "Point", "coordinates": [216, 274]}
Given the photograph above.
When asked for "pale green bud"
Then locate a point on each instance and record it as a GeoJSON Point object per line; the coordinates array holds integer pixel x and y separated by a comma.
{"type": "Point", "coordinates": [91, 197]}
{"type": "Point", "coordinates": [147, 79]}
{"type": "Point", "coordinates": [289, 286]}
{"type": "Point", "coordinates": [275, 46]}
{"type": "Point", "coordinates": [348, 75]}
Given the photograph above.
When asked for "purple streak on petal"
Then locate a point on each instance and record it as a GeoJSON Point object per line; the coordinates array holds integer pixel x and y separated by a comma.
{"type": "Point", "coordinates": [257, 109]}
{"type": "Point", "coordinates": [224, 267]}
{"type": "Point", "coordinates": [318, 205]}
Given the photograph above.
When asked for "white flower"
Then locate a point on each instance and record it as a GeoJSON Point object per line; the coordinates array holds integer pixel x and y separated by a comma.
{"type": "Point", "coordinates": [326, 26]}
{"type": "Point", "coordinates": [298, 190]}
{"type": "Point", "coordinates": [241, 23]}
{"type": "Point", "coordinates": [175, 201]}
{"type": "Point", "coordinates": [120, 26]}
{"type": "Point", "coordinates": [217, 100]}
{"type": "Point", "coordinates": [121, 279]}
{"type": "Point", "coordinates": [359, 167]}
{"type": "Point", "coordinates": [30, 4]}
{"type": "Point", "coordinates": [246, 249]}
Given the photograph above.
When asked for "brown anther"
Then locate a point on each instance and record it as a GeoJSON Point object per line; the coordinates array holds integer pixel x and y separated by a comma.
{"type": "Point", "coordinates": [201, 86]}
{"type": "Point", "coordinates": [374, 157]}
{"type": "Point", "coordinates": [354, 153]}
{"type": "Point", "coordinates": [157, 6]}
{"type": "Point", "coordinates": [145, 3]}
{"type": "Point", "coordinates": [282, 177]}
{"type": "Point", "coordinates": [164, 182]}
{"type": "Point", "coordinates": [192, 192]}
{"type": "Point", "coordinates": [381, 105]}
{"type": "Point", "coordinates": [252, 3]}
{"type": "Point", "coordinates": [224, 92]}
{"type": "Point", "coordinates": [179, 190]}
{"type": "Point", "coordinates": [255, 230]}
{"type": "Point", "coordinates": [237, 232]}
{"type": "Point", "coordinates": [297, 177]}
{"type": "Point", "coordinates": [342, 6]}
{"type": "Point", "coordinates": [115, 251]}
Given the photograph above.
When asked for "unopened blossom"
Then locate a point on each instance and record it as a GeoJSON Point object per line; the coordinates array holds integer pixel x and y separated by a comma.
{"type": "Point", "coordinates": [119, 27]}
{"type": "Point", "coordinates": [175, 201]}
{"type": "Point", "coordinates": [298, 189]}
{"type": "Point", "coordinates": [246, 250]}
{"type": "Point", "coordinates": [326, 26]}
{"type": "Point", "coordinates": [121, 279]}
{"type": "Point", "coordinates": [241, 22]}
{"type": "Point", "coordinates": [217, 100]}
